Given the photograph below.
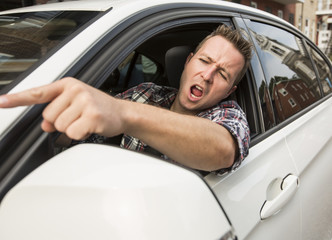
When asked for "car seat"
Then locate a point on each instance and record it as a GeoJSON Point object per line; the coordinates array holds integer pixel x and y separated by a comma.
{"type": "Point", "coordinates": [175, 59]}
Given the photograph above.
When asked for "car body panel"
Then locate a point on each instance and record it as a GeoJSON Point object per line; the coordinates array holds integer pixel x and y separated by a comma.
{"type": "Point", "coordinates": [246, 190]}
{"type": "Point", "coordinates": [309, 133]}
{"type": "Point", "coordinates": [310, 144]}
{"type": "Point", "coordinates": [117, 194]}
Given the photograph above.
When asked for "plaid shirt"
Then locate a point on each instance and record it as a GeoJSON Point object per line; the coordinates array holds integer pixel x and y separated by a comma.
{"type": "Point", "coordinates": [227, 114]}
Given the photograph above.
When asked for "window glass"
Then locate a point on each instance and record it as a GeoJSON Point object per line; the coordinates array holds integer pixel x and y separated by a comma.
{"type": "Point", "coordinates": [134, 70]}
{"type": "Point", "coordinates": [26, 37]}
{"type": "Point", "coordinates": [263, 94]}
{"type": "Point", "coordinates": [324, 71]}
{"type": "Point", "coordinates": [290, 78]}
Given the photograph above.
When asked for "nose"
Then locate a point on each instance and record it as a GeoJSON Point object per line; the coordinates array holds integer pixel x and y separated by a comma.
{"type": "Point", "coordinates": [208, 73]}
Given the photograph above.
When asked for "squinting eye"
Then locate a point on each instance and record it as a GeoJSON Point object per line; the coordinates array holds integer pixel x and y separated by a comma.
{"type": "Point", "coordinates": [222, 75]}
{"type": "Point", "coordinates": [203, 60]}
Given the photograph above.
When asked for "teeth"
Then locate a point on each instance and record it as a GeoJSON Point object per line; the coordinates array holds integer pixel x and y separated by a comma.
{"type": "Point", "coordinates": [198, 88]}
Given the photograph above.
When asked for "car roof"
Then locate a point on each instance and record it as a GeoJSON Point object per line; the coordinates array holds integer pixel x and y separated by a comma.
{"type": "Point", "coordinates": [73, 5]}
{"type": "Point", "coordinates": [104, 5]}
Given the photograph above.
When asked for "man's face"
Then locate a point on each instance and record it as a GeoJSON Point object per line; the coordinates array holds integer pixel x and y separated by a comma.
{"type": "Point", "coordinates": [208, 76]}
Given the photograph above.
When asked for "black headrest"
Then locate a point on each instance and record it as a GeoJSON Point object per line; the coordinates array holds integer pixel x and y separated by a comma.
{"type": "Point", "coordinates": [175, 59]}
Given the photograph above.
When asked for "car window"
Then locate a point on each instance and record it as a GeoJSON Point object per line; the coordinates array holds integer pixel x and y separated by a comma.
{"type": "Point", "coordinates": [291, 81]}
{"type": "Point", "coordinates": [27, 37]}
{"type": "Point", "coordinates": [323, 69]}
{"type": "Point", "coordinates": [135, 69]}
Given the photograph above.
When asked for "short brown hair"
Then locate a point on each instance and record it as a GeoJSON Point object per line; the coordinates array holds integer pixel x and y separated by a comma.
{"type": "Point", "coordinates": [236, 38]}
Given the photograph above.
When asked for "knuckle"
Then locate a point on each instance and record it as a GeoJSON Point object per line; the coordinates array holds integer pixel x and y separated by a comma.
{"type": "Point", "coordinates": [76, 88]}
{"type": "Point", "coordinates": [85, 98]}
{"type": "Point", "coordinates": [36, 93]}
{"type": "Point", "coordinates": [94, 115]}
{"type": "Point", "coordinates": [47, 116]}
{"type": "Point", "coordinates": [67, 80]}
{"type": "Point", "coordinates": [60, 126]}
{"type": "Point", "coordinates": [75, 134]}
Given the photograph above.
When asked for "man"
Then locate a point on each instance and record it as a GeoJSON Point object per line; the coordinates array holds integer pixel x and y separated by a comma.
{"type": "Point", "coordinates": [197, 130]}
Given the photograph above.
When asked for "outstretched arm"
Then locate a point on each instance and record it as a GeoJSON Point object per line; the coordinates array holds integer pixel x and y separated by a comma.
{"type": "Point", "coordinates": [192, 141]}
{"type": "Point", "coordinates": [80, 110]}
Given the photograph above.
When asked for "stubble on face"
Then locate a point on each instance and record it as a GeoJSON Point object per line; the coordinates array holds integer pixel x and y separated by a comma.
{"type": "Point", "coordinates": [208, 76]}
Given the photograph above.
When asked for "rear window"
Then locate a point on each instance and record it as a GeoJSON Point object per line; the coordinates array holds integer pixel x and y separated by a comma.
{"type": "Point", "coordinates": [27, 37]}
{"type": "Point", "coordinates": [324, 72]}
{"type": "Point", "coordinates": [291, 82]}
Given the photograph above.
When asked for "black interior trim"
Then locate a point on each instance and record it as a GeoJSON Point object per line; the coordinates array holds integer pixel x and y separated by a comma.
{"type": "Point", "coordinates": [27, 153]}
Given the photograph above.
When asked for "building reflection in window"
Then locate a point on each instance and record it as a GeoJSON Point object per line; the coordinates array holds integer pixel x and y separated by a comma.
{"type": "Point", "coordinates": [291, 81]}
{"type": "Point", "coordinates": [323, 71]}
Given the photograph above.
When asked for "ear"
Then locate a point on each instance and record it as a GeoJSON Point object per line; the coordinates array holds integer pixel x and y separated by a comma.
{"type": "Point", "coordinates": [189, 58]}
{"type": "Point", "coordinates": [231, 91]}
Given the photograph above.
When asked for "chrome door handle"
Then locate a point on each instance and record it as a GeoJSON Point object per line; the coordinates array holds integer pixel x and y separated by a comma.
{"type": "Point", "coordinates": [283, 191]}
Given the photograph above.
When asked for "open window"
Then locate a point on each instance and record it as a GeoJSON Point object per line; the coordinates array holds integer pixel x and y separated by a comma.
{"type": "Point", "coordinates": [168, 50]}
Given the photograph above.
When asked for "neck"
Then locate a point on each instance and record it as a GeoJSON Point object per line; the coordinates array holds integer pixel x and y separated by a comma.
{"type": "Point", "coordinates": [177, 107]}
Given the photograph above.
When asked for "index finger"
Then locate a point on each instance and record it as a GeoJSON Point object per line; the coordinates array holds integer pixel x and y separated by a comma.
{"type": "Point", "coordinates": [31, 96]}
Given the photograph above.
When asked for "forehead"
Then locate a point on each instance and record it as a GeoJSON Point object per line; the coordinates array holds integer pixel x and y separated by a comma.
{"type": "Point", "coordinates": [218, 44]}
{"type": "Point", "coordinates": [222, 51]}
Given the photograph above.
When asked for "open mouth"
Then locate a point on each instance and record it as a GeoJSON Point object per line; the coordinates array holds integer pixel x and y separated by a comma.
{"type": "Point", "coordinates": [196, 91]}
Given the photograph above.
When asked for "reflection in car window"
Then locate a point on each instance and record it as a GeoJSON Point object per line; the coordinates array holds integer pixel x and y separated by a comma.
{"type": "Point", "coordinates": [323, 69]}
{"type": "Point", "coordinates": [291, 81]}
{"type": "Point", "coordinates": [264, 97]}
{"type": "Point", "coordinates": [26, 37]}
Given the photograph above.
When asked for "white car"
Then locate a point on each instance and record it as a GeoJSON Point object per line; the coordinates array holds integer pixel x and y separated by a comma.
{"type": "Point", "coordinates": [100, 191]}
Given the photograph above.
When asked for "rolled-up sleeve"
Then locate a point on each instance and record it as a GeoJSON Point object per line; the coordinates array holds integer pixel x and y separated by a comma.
{"type": "Point", "coordinates": [229, 115]}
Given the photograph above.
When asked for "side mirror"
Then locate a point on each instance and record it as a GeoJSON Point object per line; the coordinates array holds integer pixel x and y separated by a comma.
{"type": "Point", "coordinates": [93, 191]}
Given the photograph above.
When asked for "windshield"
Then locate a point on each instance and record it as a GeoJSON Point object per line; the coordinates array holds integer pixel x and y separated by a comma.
{"type": "Point", "coordinates": [26, 37]}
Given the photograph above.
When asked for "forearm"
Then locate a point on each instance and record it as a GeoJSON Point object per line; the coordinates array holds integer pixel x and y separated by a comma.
{"type": "Point", "coordinates": [192, 141]}
{"type": "Point", "coordinates": [79, 110]}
